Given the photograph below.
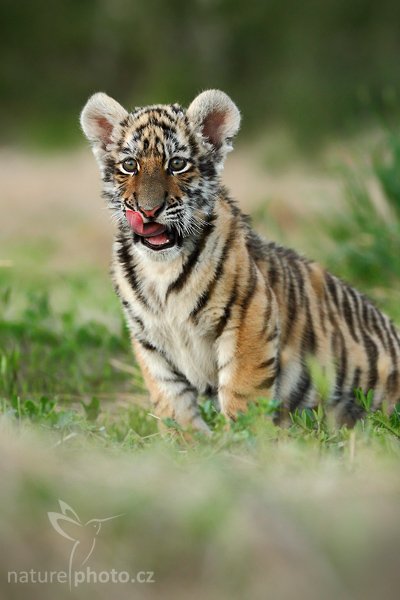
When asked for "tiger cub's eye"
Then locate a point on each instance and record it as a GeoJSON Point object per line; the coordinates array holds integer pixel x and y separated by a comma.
{"type": "Point", "coordinates": [129, 166]}
{"type": "Point", "coordinates": [178, 165]}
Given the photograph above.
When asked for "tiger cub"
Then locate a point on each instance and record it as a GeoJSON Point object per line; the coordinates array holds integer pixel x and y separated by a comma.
{"type": "Point", "coordinates": [213, 308]}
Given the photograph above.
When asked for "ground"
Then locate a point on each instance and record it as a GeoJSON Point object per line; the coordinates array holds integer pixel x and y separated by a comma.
{"type": "Point", "coordinates": [257, 511]}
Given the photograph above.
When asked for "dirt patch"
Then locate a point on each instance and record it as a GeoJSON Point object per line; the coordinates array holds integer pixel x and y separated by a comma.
{"type": "Point", "coordinates": [57, 198]}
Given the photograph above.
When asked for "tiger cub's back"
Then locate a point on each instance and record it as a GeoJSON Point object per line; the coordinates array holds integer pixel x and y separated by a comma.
{"type": "Point", "coordinates": [323, 318]}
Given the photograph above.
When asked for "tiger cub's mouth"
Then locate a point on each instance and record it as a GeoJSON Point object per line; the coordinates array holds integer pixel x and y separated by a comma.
{"type": "Point", "coordinates": [153, 235]}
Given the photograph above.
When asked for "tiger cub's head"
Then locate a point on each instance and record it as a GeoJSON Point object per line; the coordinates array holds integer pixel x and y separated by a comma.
{"type": "Point", "coordinates": [160, 165]}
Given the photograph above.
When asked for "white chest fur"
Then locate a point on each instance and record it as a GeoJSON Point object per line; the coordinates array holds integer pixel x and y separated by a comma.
{"type": "Point", "coordinates": [168, 325]}
{"type": "Point", "coordinates": [191, 351]}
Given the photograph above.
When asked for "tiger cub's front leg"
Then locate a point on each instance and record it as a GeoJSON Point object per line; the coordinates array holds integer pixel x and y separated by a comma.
{"type": "Point", "coordinates": [171, 394]}
{"type": "Point", "coordinates": [247, 351]}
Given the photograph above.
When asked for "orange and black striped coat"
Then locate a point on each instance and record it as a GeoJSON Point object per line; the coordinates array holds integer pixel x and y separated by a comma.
{"type": "Point", "coordinates": [211, 306]}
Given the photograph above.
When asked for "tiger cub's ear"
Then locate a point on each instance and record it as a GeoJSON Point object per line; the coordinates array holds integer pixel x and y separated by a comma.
{"type": "Point", "coordinates": [216, 117]}
{"type": "Point", "coordinates": [99, 118]}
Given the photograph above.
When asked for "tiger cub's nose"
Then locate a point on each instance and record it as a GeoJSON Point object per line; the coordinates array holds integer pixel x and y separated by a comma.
{"type": "Point", "coordinates": [152, 212]}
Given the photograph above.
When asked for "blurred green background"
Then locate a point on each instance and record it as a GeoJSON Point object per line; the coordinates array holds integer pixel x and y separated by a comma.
{"type": "Point", "coordinates": [314, 67]}
{"type": "Point", "coordinates": [257, 511]}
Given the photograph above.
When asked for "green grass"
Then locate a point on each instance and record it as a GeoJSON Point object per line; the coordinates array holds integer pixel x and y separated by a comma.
{"type": "Point", "coordinates": [366, 236]}
{"type": "Point", "coordinates": [306, 511]}
{"type": "Point", "coordinates": [75, 375]}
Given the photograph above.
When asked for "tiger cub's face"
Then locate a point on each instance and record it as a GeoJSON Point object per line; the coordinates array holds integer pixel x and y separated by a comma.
{"type": "Point", "coordinates": [160, 166]}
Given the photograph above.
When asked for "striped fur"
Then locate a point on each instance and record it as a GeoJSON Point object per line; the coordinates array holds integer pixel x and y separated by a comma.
{"type": "Point", "coordinates": [223, 310]}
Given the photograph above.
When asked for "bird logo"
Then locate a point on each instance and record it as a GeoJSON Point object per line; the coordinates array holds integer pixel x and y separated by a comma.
{"type": "Point", "coordinates": [83, 535]}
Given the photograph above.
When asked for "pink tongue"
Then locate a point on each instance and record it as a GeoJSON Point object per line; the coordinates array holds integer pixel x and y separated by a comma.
{"type": "Point", "coordinates": [152, 230]}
